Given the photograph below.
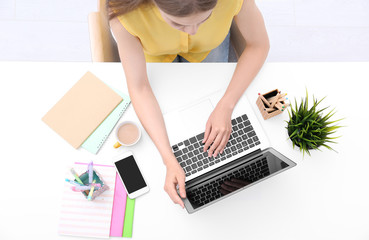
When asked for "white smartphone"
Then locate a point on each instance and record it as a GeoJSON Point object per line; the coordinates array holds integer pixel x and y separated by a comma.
{"type": "Point", "coordinates": [130, 174]}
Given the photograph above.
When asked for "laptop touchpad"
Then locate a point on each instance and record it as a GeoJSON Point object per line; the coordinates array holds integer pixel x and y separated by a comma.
{"type": "Point", "coordinates": [194, 118]}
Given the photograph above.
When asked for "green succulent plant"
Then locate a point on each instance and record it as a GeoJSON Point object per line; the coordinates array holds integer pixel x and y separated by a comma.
{"type": "Point", "coordinates": [309, 129]}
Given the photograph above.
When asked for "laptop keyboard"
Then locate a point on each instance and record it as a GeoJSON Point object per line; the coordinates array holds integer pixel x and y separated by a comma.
{"type": "Point", "coordinates": [211, 191]}
{"type": "Point", "coordinates": [193, 159]}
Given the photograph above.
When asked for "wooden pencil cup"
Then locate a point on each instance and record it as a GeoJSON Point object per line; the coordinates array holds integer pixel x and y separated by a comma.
{"type": "Point", "coordinates": [264, 105]}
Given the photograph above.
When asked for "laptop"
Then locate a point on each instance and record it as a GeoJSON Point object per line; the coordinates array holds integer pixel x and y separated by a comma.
{"type": "Point", "coordinates": [246, 160]}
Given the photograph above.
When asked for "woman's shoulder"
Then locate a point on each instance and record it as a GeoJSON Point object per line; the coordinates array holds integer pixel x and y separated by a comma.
{"type": "Point", "coordinates": [229, 6]}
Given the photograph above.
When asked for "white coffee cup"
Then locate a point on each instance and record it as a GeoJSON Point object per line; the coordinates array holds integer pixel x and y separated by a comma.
{"type": "Point", "coordinates": [127, 133]}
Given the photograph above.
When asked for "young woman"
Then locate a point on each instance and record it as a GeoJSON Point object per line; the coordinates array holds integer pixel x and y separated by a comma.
{"type": "Point", "coordinates": [168, 30]}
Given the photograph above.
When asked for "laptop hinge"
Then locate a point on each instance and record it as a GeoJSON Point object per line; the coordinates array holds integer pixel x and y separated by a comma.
{"type": "Point", "coordinates": [241, 160]}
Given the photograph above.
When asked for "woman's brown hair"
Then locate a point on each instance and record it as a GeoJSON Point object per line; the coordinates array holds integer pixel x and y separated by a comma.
{"type": "Point", "coordinates": [178, 8]}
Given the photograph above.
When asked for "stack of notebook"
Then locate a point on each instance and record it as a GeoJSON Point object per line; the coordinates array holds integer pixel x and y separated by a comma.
{"type": "Point", "coordinates": [87, 113]}
{"type": "Point", "coordinates": [108, 215]}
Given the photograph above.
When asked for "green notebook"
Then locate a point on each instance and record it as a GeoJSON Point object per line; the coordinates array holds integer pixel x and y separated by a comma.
{"type": "Point", "coordinates": [128, 218]}
{"type": "Point", "coordinates": [95, 141]}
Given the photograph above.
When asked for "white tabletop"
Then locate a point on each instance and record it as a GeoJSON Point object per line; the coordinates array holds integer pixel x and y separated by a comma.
{"type": "Point", "coordinates": [326, 196]}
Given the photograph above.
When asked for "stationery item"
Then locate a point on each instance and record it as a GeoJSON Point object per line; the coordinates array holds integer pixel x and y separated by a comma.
{"type": "Point", "coordinates": [73, 182]}
{"type": "Point", "coordinates": [280, 106]}
{"type": "Point", "coordinates": [128, 218]}
{"type": "Point", "coordinates": [128, 133]}
{"type": "Point", "coordinates": [281, 97]}
{"type": "Point", "coordinates": [90, 172]}
{"type": "Point", "coordinates": [89, 197]}
{"type": "Point", "coordinates": [271, 104]}
{"type": "Point", "coordinates": [81, 188]}
{"type": "Point", "coordinates": [95, 141]}
{"type": "Point", "coordinates": [119, 208]}
{"type": "Point", "coordinates": [269, 109]}
{"type": "Point", "coordinates": [80, 111]}
{"type": "Point", "coordinates": [97, 185]}
{"type": "Point", "coordinates": [264, 100]}
{"type": "Point", "coordinates": [76, 176]}
{"type": "Point", "coordinates": [274, 101]}
{"type": "Point", "coordinates": [79, 217]}
{"type": "Point", "coordinates": [98, 179]}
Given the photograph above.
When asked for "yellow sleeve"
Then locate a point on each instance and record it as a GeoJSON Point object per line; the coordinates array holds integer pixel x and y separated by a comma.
{"type": "Point", "coordinates": [124, 20]}
{"type": "Point", "coordinates": [238, 7]}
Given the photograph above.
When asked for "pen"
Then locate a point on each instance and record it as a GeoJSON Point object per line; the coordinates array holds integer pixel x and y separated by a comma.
{"type": "Point", "coordinates": [73, 182]}
{"type": "Point", "coordinates": [76, 176]}
{"type": "Point", "coordinates": [90, 172]}
{"type": "Point", "coordinates": [89, 197]}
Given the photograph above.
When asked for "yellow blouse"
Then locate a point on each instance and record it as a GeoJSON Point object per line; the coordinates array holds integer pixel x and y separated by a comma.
{"type": "Point", "coordinates": [161, 42]}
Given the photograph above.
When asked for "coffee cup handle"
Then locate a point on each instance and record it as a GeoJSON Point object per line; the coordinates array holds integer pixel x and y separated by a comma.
{"type": "Point", "coordinates": [117, 145]}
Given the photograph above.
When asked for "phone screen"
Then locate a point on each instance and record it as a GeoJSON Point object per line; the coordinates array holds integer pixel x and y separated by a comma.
{"type": "Point", "coordinates": [130, 174]}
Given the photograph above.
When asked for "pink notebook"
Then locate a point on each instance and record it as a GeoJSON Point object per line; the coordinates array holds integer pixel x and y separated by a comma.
{"type": "Point", "coordinates": [80, 217]}
{"type": "Point", "coordinates": [119, 208]}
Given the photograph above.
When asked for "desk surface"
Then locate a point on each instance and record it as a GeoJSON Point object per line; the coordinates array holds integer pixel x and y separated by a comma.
{"type": "Point", "coordinates": [326, 196]}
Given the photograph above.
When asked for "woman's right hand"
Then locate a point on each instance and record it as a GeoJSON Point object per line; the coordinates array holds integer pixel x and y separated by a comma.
{"type": "Point", "coordinates": [175, 176]}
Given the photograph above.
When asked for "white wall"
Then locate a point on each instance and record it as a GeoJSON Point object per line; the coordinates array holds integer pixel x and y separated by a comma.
{"type": "Point", "coordinates": [299, 30]}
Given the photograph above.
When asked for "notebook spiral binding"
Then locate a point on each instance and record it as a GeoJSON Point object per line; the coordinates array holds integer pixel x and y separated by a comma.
{"type": "Point", "coordinates": [107, 134]}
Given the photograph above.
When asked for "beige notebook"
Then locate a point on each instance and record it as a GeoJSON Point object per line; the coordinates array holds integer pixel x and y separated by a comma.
{"type": "Point", "coordinates": [81, 110]}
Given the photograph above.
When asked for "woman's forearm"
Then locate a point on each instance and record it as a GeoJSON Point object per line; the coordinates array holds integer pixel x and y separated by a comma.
{"type": "Point", "coordinates": [249, 64]}
{"type": "Point", "coordinates": [251, 25]}
{"type": "Point", "coordinates": [150, 115]}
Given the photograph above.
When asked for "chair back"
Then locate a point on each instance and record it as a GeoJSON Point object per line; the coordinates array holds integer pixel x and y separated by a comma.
{"type": "Point", "coordinates": [103, 46]}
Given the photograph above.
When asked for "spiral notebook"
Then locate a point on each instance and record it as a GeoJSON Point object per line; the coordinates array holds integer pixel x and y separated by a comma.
{"type": "Point", "coordinates": [82, 109]}
{"type": "Point", "coordinates": [95, 141]}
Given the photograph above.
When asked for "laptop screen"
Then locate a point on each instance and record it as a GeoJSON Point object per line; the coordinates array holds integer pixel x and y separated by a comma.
{"type": "Point", "coordinates": [250, 172]}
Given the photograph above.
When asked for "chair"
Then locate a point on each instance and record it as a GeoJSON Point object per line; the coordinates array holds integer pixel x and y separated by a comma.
{"type": "Point", "coordinates": [104, 47]}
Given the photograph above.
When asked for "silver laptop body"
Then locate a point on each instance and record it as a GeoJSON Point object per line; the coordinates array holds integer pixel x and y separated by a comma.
{"type": "Point", "coordinates": [248, 144]}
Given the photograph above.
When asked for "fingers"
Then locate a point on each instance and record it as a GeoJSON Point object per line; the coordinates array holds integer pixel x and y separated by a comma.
{"type": "Point", "coordinates": [234, 184]}
{"type": "Point", "coordinates": [228, 188]}
{"type": "Point", "coordinates": [215, 145]}
{"type": "Point", "coordinates": [207, 133]}
{"type": "Point", "coordinates": [174, 195]}
{"type": "Point", "coordinates": [210, 140]}
{"type": "Point", "coordinates": [181, 185]}
{"type": "Point", "coordinates": [222, 191]}
{"type": "Point", "coordinates": [217, 139]}
{"type": "Point", "coordinates": [222, 145]}
{"type": "Point", "coordinates": [243, 182]}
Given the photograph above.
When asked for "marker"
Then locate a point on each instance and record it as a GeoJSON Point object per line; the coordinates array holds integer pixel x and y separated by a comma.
{"type": "Point", "coordinates": [89, 197]}
{"type": "Point", "coordinates": [84, 188]}
{"type": "Point", "coordinates": [90, 172]}
{"type": "Point", "coordinates": [80, 188]}
{"type": "Point", "coordinates": [76, 176]}
{"type": "Point", "coordinates": [73, 182]}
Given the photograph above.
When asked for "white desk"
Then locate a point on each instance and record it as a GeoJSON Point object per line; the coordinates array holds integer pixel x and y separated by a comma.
{"type": "Point", "coordinates": [326, 196]}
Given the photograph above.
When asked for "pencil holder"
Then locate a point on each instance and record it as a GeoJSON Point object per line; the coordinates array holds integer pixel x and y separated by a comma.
{"type": "Point", "coordinates": [97, 177]}
{"type": "Point", "coordinates": [268, 108]}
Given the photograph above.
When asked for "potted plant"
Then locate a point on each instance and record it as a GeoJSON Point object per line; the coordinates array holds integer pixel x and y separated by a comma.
{"type": "Point", "coordinates": [310, 129]}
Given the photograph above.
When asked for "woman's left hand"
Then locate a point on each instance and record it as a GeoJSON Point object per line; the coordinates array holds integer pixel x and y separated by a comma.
{"type": "Point", "coordinates": [218, 130]}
